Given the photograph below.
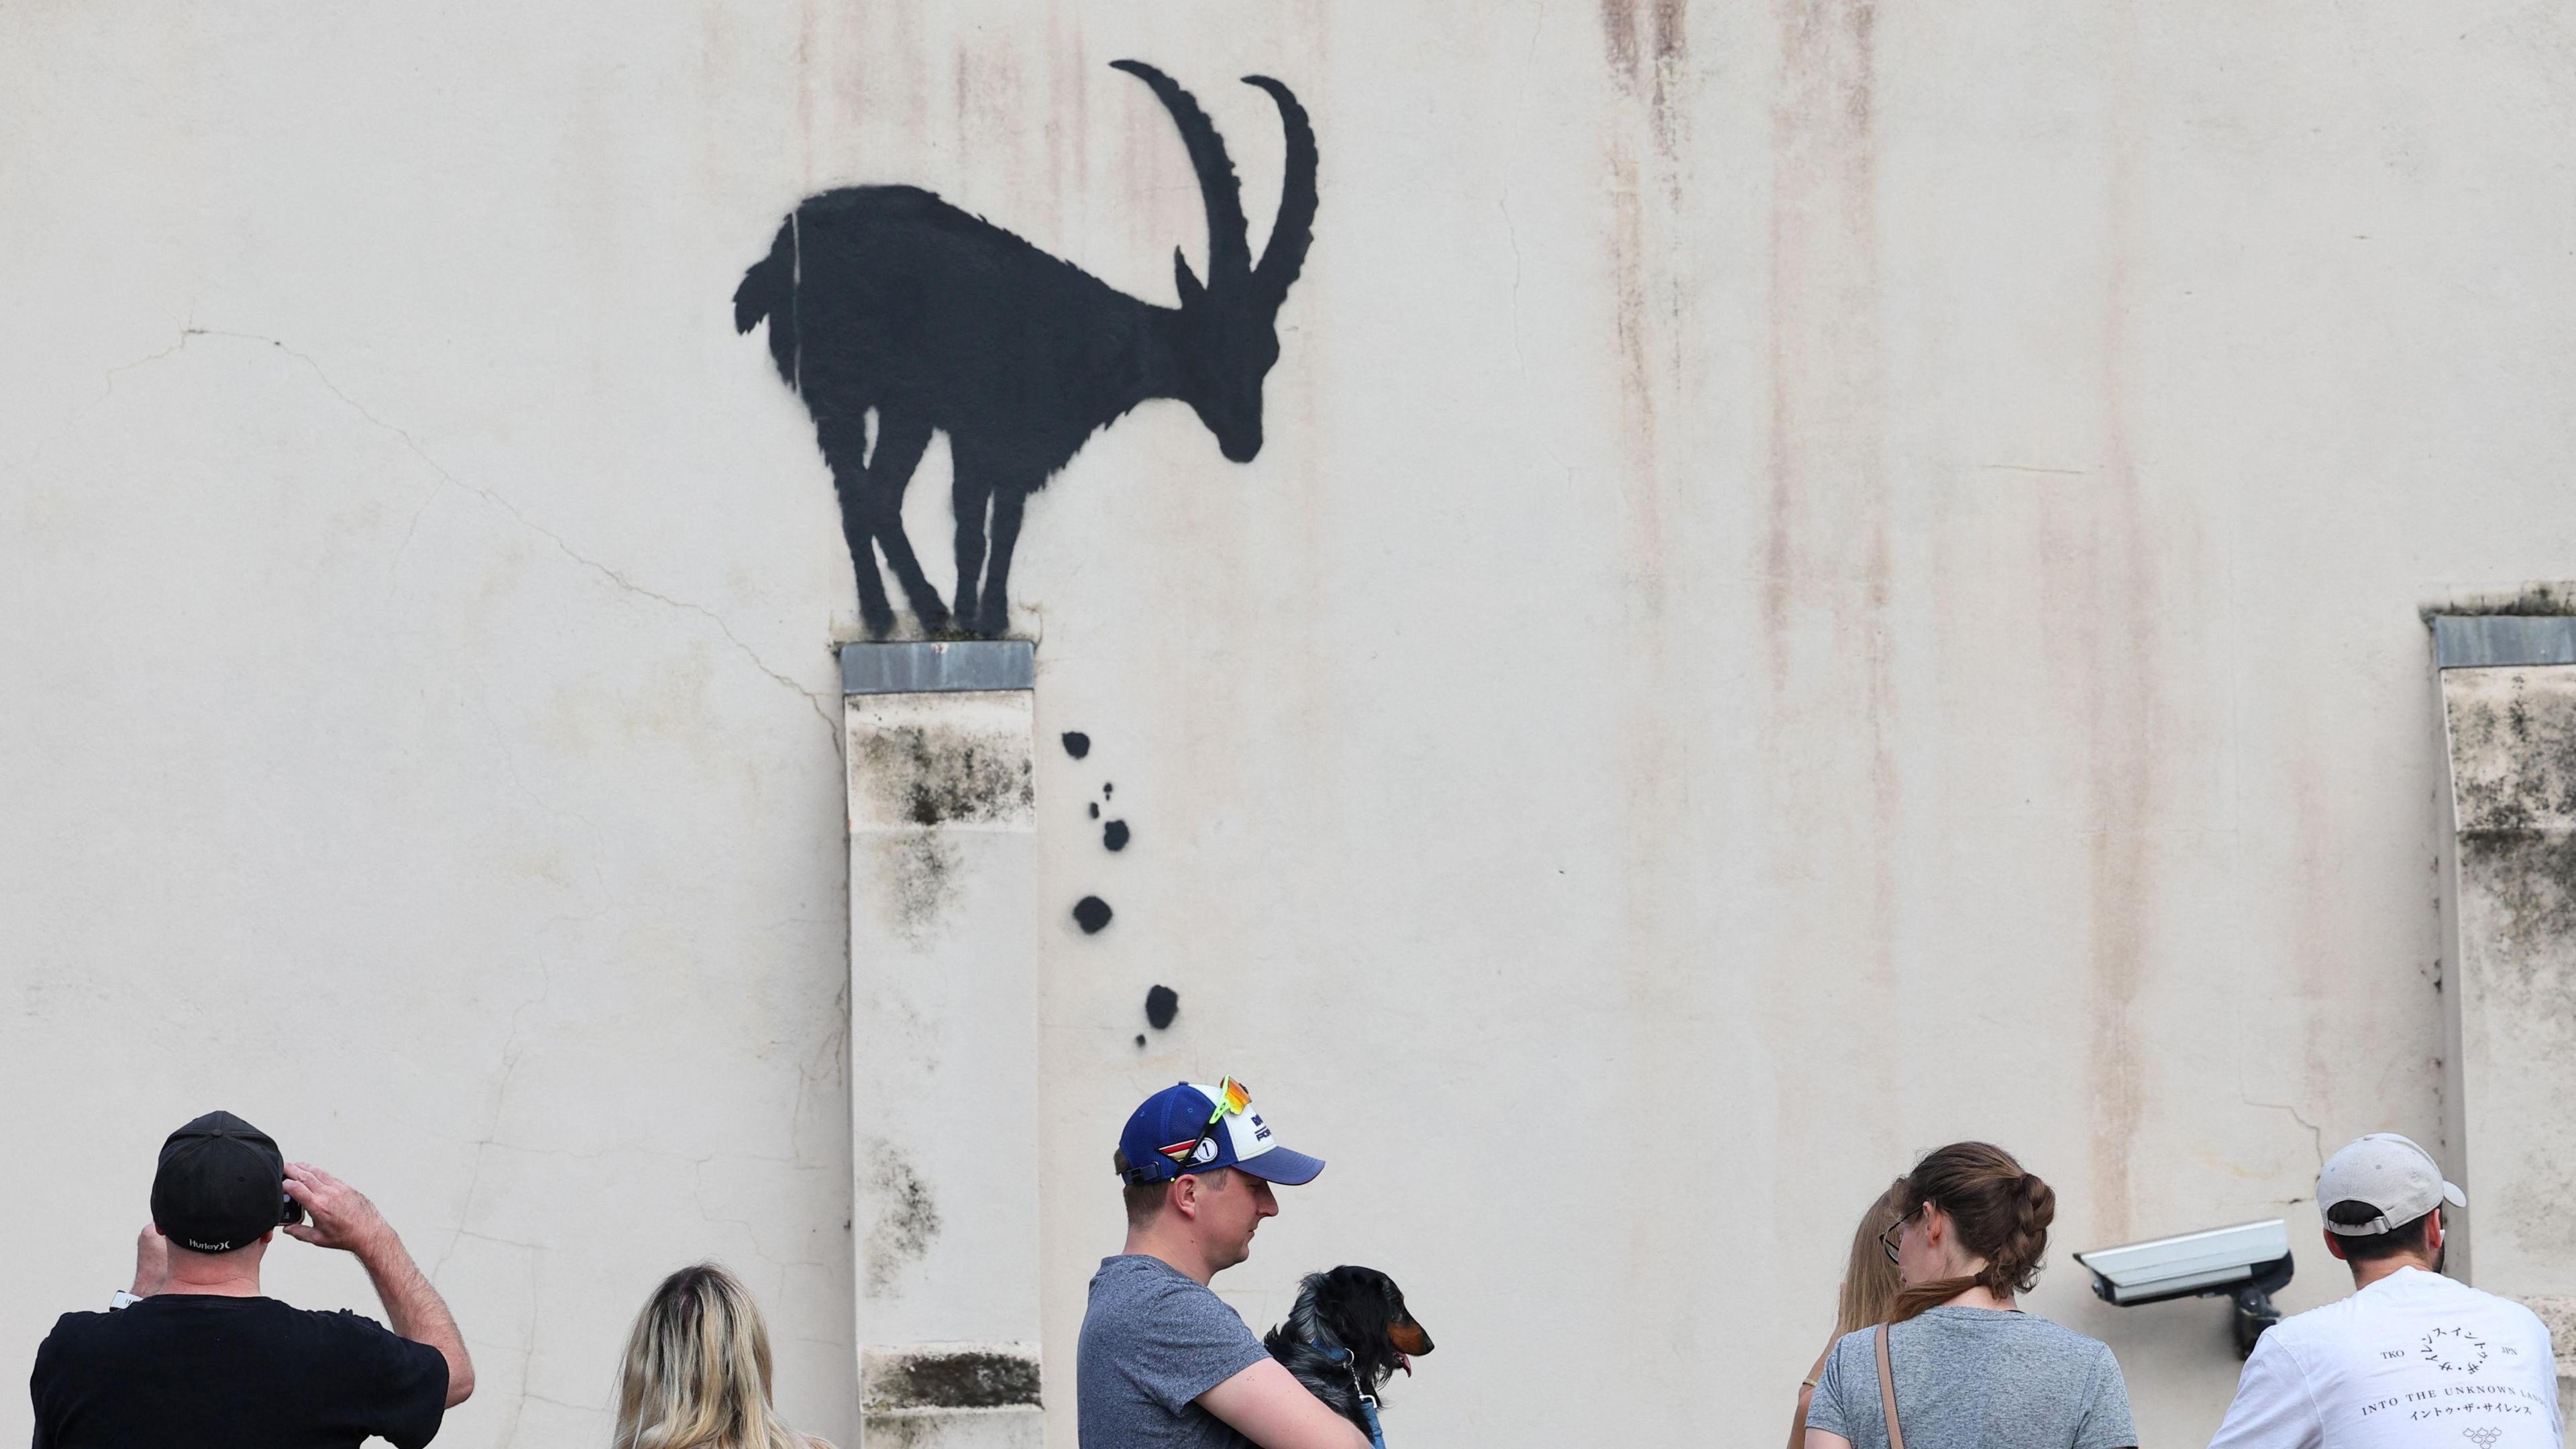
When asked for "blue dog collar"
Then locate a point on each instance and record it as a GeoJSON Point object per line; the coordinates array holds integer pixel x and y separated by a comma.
{"type": "Point", "coordinates": [1340, 1357]}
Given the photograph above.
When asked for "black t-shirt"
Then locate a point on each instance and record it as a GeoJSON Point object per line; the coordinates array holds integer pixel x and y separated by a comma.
{"type": "Point", "coordinates": [184, 1369]}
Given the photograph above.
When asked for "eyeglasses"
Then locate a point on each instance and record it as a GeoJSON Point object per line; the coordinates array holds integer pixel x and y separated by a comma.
{"type": "Point", "coordinates": [1895, 1233]}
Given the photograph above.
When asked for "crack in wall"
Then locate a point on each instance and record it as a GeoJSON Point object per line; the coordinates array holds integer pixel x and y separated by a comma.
{"type": "Point", "coordinates": [528, 1354]}
{"type": "Point", "coordinates": [2316, 1133]}
{"type": "Point", "coordinates": [447, 479]}
{"type": "Point", "coordinates": [750, 1229]}
{"type": "Point", "coordinates": [500, 1104]}
{"type": "Point", "coordinates": [824, 1064]}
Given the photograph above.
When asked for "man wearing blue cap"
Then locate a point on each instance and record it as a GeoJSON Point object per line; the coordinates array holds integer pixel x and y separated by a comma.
{"type": "Point", "coordinates": [1163, 1362]}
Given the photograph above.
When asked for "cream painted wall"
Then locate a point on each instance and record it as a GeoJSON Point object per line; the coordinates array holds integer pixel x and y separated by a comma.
{"type": "Point", "coordinates": [1825, 579]}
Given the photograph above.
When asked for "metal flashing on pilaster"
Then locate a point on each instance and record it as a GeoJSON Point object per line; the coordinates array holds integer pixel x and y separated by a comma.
{"type": "Point", "coordinates": [939, 666]}
{"type": "Point", "coordinates": [2502, 641]}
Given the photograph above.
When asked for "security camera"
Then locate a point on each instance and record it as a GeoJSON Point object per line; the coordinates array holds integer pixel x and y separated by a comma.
{"type": "Point", "coordinates": [2248, 1263]}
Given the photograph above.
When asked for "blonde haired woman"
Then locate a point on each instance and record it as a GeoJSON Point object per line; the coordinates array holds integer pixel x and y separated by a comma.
{"type": "Point", "coordinates": [696, 1374]}
{"type": "Point", "coordinates": [1868, 1295]}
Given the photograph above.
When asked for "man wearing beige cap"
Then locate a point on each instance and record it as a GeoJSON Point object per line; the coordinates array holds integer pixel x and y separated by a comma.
{"type": "Point", "coordinates": [2411, 1358]}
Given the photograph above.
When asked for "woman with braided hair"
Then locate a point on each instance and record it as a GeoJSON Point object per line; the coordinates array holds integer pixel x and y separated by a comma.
{"type": "Point", "coordinates": [1959, 1366]}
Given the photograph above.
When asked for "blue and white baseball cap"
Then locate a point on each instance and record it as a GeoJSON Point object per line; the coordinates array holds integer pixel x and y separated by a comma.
{"type": "Point", "coordinates": [1171, 1134]}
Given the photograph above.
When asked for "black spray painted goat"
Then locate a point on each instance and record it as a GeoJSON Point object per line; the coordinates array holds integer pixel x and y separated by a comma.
{"type": "Point", "coordinates": [888, 298]}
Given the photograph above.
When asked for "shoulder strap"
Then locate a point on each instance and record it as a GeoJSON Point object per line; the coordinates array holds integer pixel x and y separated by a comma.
{"type": "Point", "coordinates": [1887, 1393]}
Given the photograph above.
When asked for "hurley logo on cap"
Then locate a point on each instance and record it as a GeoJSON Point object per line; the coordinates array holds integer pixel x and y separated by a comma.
{"type": "Point", "coordinates": [220, 1185]}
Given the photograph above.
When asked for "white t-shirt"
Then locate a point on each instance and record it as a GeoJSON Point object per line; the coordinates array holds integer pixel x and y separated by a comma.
{"type": "Point", "coordinates": [2414, 1361]}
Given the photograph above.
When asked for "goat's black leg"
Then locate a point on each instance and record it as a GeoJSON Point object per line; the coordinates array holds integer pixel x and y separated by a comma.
{"type": "Point", "coordinates": [995, 618]}
{"type": "Point", "coordinates": [973, 491]}
{"type": "Point", "coordinates": [845, 449]}
{"type": "Point", "coordinates": [899, 448]}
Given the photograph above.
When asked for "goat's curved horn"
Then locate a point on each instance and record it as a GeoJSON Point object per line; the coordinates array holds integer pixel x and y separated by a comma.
{"type": "Point", "coordinates": [1294, 231]}
{"type": "Point", "coordinates": [1229, 249]}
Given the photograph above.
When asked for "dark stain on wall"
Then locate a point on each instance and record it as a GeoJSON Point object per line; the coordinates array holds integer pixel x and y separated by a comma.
{"type": "Point", "coordinates": [886, 300]}
{"type": "Point", "coordinates": [2525, 883]}
{"type": "Point", "coordinates": [907, 1221]}
{"type": "Point", "coordinates": [1095, 809]}
{"type": "Point", "coordinates": [931, 776]}
{"type": "Point", "coordinates": [1114, 835]}
{"type": "Point", "coordinates": [1091, 913]}
{"type": "Point", "coordinates": [1630, 52]}
{"type": "Point", "coordinates": [957, 1378]}
{"type": "Point", "coordinates": [919, 865]}
{"type": "Point", "coordinates": [1619, 33]}
{"type": "Point", "coordinates": [2538, 601]}
{"type": "Point", "coordinates": [2514, 762]}
{"type": "Point", "coordinates": [1161, 1005]}
{"type": "Point", "coordinates": [1076, 743]}
{"type": "Point", "coordinates": [2513, 773]}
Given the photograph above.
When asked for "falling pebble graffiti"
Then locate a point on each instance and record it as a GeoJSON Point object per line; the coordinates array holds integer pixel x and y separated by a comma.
{"type": "Point", "coordinates": [1076, 743]}
{"type": "Point", "coordinates": [1140, 1038]}
{"type": "Point", "coordinates": [1091, 913]}
{"type": "Point", "coordinates": [1095, 809]}
{"type": "Point", "coordinates": [1161, 1005]}
{"type": "Point", "coordinates": [1114, 835]}
{"type": "Point", "coordinates": [1107, 789]}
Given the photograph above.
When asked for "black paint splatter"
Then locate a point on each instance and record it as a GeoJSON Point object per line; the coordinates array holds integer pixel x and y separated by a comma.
{"type": "Point", "coordinates": [1140, 1038]}
{"type": "Point", "coordinates": [1114, 835]}
{"type": "Point", "coordinates": [1161, 1005]}
{"type": "Point", "coordinates": [1107, 789]}
{"type": "Point", "coordinates": [1095, 809]}
{"type": "Point", "coordinates": [1076, 743]}
{"type": "Point", "coordinates": [1091, 913]}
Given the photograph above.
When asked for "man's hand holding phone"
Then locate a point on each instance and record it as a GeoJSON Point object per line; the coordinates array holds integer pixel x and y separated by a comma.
{"type": "Point", "coordinates": [339, 1215]}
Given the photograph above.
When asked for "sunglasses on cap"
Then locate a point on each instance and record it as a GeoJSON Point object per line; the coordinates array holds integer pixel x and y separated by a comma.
{"type": "Point", "coordinates": [1232, 1097]}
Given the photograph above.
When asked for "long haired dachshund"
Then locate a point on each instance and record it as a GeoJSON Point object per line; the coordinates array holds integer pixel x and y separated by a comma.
{"type": "Point", "coordinates": [1347, 1333]}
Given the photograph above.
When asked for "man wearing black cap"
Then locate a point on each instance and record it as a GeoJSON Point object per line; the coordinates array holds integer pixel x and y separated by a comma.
{"type": "Point", "coordinates": [195, 1356]}
{"type": "Point", "coordinates": [1163, 1363]}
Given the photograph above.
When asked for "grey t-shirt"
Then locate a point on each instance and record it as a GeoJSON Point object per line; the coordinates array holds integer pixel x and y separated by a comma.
{"type": "Point", "coordinates": [1977, 1378]}
{"type": "Point", "coordinates": [1154, 1339]}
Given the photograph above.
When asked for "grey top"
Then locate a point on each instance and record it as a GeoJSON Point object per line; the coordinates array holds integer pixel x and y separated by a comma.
{"type": "Point", "coordinates": [1153, 1340]}
{"type": "Point", "coordinates": [1977, 1378]}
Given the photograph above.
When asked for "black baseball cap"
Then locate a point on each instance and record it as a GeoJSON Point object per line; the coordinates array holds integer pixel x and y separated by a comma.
{"type": "Point", "coordinates": [221, 1184]}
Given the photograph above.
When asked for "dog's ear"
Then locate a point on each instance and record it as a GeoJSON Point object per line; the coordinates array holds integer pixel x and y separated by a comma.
{"type": "Point", "coordinates": [1399, 1330]}
{"type": "Point", "coordinates": [1364, 1308]}
{"type": "Point", "coordinates": [1353, 1307]}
